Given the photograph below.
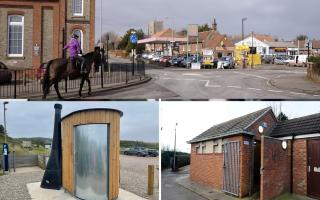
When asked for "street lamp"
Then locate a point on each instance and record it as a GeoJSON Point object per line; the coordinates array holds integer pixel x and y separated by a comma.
{"type": "Point", "coordinates": [174, 150]}
{"type": "Point", "coordinates": [243, 20]}
{"type": "Point", "coordinates": [172, 33]}
{"type": "Point", "coordinates": [4, 120]}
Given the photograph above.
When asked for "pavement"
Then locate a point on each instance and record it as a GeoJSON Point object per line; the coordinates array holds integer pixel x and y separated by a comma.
{"type": "Point", "coordinates": [265, 82]}
{"type": "Point", "coordinates": [38, 193]}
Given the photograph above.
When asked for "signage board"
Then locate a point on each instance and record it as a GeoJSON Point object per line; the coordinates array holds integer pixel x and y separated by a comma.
{"type": "Point", "coordinates": [134, 38]}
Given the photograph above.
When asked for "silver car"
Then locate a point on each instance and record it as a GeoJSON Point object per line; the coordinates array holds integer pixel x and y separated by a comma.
{"type": "Point", "coordinates": [226, 62]}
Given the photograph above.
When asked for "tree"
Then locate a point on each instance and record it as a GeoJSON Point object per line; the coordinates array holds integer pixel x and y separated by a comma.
{"type": "Point", "coordinates": [302, 37]}
{"type": "Point", "coordinates": [113, 40]}
{"type": "Point", "coordinates": [125, 43]}
{"type": "Point", "coordinates": [282, 117]}
{"type": "Point", "coordinates": [1, 129]}
{"type": "Point", "coordinates": [204, 27]}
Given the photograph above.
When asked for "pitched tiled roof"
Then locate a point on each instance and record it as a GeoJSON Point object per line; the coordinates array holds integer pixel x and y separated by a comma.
{"type": "Point", "coordinates": [232, 127]}
{"type": "Point", "coordinates": [167, 33]}
{"type": "Point", "coordinates": [263, 37]}
{"type": "Point", "coordinates": [298, 126]}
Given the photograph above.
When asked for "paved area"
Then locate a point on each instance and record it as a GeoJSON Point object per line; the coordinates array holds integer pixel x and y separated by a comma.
{"type": "Point", "coordinates": [38, 193]}
{"type": "Point", "coordinates": [134, 175]}
{"type": "Point", "coordinates": [14, 185]}
{"type": "Point", "coordinates": [265, 82]}
{"type": "Point", "coordinates": [170, 189]}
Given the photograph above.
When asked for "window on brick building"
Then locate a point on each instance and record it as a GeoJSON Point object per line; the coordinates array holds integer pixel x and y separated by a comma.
{"type": "Point", "coordinates": [15, 35]}
{"type": "Point", "coordinates": [198, 149]}
{"type": "Point", "coordinates": [203, 147]}
{"type": "Point", "coordinates": [217, 146]}
{"type": "Point", "coordinates": [78, 7]}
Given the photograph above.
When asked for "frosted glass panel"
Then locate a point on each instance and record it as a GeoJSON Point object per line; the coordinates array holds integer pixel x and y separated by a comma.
{"type": "Point", "coordinates": [91, 161]}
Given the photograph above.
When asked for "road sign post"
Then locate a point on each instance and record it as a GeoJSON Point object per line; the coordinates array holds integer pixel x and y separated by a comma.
{"type": "Point", "coordinates": [134, 41]}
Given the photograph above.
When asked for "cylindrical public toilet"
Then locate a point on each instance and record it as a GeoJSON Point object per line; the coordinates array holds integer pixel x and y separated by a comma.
{"type": "Point", "coordinates": [90, 153]}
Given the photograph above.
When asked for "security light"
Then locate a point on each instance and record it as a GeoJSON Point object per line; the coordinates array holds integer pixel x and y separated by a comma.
{"type": "Point", "coordinates": [284, 145]}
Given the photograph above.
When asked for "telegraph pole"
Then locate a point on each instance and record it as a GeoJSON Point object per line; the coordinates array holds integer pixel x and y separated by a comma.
{"type": "Point", "coordinates": [174, 150]}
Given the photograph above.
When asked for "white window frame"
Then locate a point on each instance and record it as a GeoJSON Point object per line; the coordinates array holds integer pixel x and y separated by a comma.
{"type": "Point", "coordinates": [73, 10]}
{"type": "Point", "coordinates": [8, 32]}
{"type": "Point", "coordinates": [81, 36]}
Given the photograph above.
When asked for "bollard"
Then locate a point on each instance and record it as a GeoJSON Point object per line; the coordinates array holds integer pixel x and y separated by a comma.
{"type": "Point", "coordinates": [150, 179]}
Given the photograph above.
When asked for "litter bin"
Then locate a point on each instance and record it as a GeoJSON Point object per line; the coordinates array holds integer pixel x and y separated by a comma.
{"type": "Point", "coordinates": [90, 153]}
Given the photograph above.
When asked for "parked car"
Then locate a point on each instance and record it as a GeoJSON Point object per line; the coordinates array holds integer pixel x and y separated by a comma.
{"type": "Point", "coordinates": [176, 61]}
{"type": "Point", "coordinates": [136, 151]}
{"type": "Point", "coordinates": [186, 62]}
{"type": "Point", "coordinates": [153, 153]}
{"type": "Point", "coordinates": [226, 62]}
{"type": "Point", "coordinates": [156, 58]}
{"type": "Point", "coordinates": [268, 59]}
{"type": "Point", "coordinates": [290, 60]}
{"type": "Point", "coordinates": [145, 55]}
{"type": "Point", "coordinates": [279, 60]}
{"type": "Point", "coordinates": [5, 74]}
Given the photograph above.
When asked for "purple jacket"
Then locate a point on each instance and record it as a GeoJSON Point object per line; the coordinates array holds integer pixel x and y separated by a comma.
{"type": "Point", "coordinates": [74, 47]}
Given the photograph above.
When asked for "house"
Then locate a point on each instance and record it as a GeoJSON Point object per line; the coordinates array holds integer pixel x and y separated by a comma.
{"type": "Point", "coordinates": [27, 144]}
{"type": "Point", "coordinates": [220, 44]}
{"type": "Point", "coordinates": [162, 41]}
{"type": "Point", "coordinates": [33, 32]}
{"type": "Point", "coordinates": [263, 45]}
{"type": "Point", "coordinates": [255, 153]}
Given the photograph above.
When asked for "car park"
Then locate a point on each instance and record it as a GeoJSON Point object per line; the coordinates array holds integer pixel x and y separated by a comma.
{"type": "Point", "coordinates": [136, 151]}
{"type": "Point", "coordinates": [5, 74]}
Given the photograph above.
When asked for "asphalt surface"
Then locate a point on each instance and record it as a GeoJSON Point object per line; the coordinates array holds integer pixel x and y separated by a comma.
{"type": "Point", "coordinates": [171, 190]}
{"type": "Point", "coordinates": [266, 82]}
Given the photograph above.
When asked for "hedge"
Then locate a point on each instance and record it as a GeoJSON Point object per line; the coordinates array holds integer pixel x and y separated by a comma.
{"type": "Point", "coordinates": [182, 159]}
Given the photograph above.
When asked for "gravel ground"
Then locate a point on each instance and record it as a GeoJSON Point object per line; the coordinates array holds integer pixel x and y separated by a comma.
{"type": "Point", "coordinates": [134, 175]}
{"type": "Point", "coordinates": [14, 186]}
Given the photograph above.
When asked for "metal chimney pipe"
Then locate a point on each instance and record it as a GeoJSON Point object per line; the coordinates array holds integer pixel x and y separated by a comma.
{"type": "Point", "coordinates": [52, 178]}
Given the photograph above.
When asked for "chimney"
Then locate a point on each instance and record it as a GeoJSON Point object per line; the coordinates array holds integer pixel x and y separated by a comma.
{"type": "Point", "coordinates": [214, 25]}
{"type": "Point", "coordinates": [52, 178]}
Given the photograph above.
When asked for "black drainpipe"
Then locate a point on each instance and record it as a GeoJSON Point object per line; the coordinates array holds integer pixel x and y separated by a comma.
{"type": "Point", "coordinates": [52, 178]}
{"type": "Point", "coordinates": [291, 163]}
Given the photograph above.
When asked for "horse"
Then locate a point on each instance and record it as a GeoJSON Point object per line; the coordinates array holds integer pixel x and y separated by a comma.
{"type": "Point", "coordinates": [61, 68]}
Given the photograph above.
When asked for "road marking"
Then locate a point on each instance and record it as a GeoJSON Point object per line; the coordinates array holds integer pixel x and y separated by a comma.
{"type": "Point", "coordinates": [188, 74]}
{"type": "Point", "coordinates": [232, 86]}
{"type": "Point", "coordinates": [212, 86]}
{"type": "Point", "coordinates": [315, 95]}
{"type": "Point", "coordinates": [256, 76]}
{"type": "Point", "coordinates": [189, 79]}
{"type": "Point", "coordinates": [297, 93]}
{"type": "Point", "coordinates": [277, 91]}
{"type": "Point", "coordinates": [254, 89]}
{"type": "Point", "coordinates": [166, 78]}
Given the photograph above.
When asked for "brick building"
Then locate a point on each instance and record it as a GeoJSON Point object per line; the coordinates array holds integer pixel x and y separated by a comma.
{"type": "Point", "coordinates": [256, 153]}
{"type": "Point", "coordinates": [33, 32]}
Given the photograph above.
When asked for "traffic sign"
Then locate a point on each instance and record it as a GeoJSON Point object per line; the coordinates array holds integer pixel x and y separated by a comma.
{"type": "Point", "coordinates": [133, 38]}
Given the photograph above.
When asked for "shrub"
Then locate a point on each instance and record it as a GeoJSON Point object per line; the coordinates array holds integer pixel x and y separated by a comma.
{"type": "Point", "coordinates": [182, 159]}
{"type": "Point", "coordinates": [316, 61]}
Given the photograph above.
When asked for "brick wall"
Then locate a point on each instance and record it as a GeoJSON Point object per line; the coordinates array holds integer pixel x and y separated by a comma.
{"type": "Point", "coordinates": [206, 168]}
{"type": "Point", "coordinates": [269, 118]}
{"type": "Point", "coordinates": [47, 38]}
{"type": "Point", "coordinates": [275, 161]}
{"type": "Point", "coordinates": [300, 166]}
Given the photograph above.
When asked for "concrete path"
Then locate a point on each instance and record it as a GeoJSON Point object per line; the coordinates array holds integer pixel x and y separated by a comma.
{"type": "Point", "coordinates": [38, 193]}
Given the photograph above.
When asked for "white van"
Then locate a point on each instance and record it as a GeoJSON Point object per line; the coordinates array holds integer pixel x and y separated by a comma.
{"type": "Point", "coordinates": [300, 59]}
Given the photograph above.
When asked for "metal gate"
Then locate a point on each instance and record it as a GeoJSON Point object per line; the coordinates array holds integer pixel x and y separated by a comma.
{"type": "Point", "coordinates": [231, 168]}
{"type": "Point", "coordinates": [313, 168]}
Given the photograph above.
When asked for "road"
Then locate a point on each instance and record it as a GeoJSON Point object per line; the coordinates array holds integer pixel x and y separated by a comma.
{"type": "Point", "coordinates": [266, 82]}
{"type": "Point", "coordinates": [171, 190]}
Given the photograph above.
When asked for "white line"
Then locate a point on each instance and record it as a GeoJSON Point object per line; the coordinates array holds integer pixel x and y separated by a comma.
{"type": "Point", "coordinates": [256, 76]}
{"type": "Point", "coordinates": [231, 86]}
{"type": "Point", "coordinates": [316, 95]}
{"type": "Point", "coordinates": [277, 91]}
{"type": "Point", "coordinates": [189, 79]}
{"type": "Point", "coordinates": [166, 78]}
{"type": "Point", "coordinates": [254, 89]}
{"type": "Point", "coordinates": [297, 93]}
{"type": "Point", "coordinates": [191, 74]}
{"type": "Point", "coordinates": [212, 86]}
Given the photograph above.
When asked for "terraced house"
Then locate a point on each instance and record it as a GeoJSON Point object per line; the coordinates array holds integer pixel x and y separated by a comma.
{"type": "Point", "coordinates": [34, 31]}
{"type": "Point", "coordinates": [257, 153]}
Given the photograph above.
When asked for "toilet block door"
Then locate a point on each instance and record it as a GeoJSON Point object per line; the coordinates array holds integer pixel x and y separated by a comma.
{"type": "Point", "coordinates": [91, 152]}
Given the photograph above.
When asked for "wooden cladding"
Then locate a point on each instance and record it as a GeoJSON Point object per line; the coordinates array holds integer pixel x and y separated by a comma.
{"type": "Point", "coordinates": [97, 116]}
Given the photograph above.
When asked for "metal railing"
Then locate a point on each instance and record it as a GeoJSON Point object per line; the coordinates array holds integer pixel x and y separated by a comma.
{"type": "Point", "coordinates": [27, 83]}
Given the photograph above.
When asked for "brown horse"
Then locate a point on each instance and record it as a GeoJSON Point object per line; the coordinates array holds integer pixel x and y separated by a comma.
{"type": "Point", "coordinates": [60, 68]}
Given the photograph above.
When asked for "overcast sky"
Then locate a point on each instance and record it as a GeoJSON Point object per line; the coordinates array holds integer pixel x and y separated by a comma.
{"type": "Point", "coordinates": [285, 18]}
{"type": "Point", "coordinates": [35, 119]}
{"type": "Point", "coordinates": [194, 118]}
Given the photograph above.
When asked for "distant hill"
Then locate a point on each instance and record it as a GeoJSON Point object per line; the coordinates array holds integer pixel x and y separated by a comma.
{"type": "Point", "coordinates": [129, 144]}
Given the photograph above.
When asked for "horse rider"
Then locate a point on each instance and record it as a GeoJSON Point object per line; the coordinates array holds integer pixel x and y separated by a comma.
{"type": "Point", "coordinates": [75, 52]}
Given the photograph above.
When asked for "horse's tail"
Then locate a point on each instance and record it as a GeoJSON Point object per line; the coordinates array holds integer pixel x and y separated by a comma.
{"type": "Point", "coordinates": [46, 77]}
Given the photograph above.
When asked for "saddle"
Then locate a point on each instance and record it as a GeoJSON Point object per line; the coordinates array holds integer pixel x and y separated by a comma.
{"type": "Point", "coordinates": [76, 64]}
